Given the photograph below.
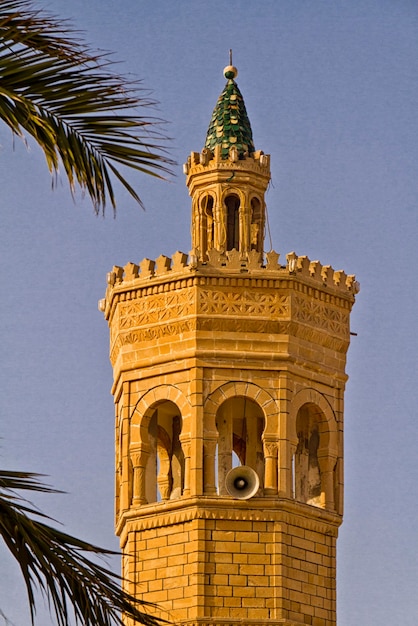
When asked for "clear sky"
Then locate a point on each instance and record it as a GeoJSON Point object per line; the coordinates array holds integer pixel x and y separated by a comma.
{"type": "Point", "coordinates": [331, 89]}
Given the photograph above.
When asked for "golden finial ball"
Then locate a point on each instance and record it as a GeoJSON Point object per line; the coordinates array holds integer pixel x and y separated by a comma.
{"type": "Point", "coordinates": [230, 72]}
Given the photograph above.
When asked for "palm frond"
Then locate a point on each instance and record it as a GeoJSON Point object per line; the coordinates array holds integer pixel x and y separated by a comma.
{"type": "Point", "coordinates": [82, 114]}
{"type": "Point", "coordinates": [54, 563]}
{"type": "Point", "coordinates": [36, 29]}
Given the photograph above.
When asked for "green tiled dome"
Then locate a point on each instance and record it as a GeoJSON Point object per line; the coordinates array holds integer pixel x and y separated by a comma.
{"type": "Point", "coordinates": [230, 125]}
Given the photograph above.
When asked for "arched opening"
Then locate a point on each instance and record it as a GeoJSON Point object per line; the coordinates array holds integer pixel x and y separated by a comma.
{"type": "Point", "coordinates": [240, 425]}
{"type": "Point", "coordinates": [165, 466]}
{"type": "Point", "coordinates": [257, 225]}
{"type": "Point", "coordinates": [207, 225]}
{"type": "Point", "coordinates": [307, 472]}
{"type": "Point", "coordinates": [232, 205]}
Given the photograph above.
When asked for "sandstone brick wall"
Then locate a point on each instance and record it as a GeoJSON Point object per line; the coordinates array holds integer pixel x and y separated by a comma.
{"type": "Point", "coordinates": [165, 568]}
{"type": "Point", "coordinates": [234, 569]}
{"type": "Point", "coordinates": [309, 570]}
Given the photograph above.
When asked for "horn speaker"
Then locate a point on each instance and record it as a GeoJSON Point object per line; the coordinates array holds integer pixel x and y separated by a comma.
{"type": "Point", "coordinates": [242, 482]}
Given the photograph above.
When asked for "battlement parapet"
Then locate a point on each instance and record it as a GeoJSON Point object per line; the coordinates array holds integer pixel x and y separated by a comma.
{"type": "Point", "coordinates": [231, 263]}
{"type": "Point", "coordinates": [206, 160]}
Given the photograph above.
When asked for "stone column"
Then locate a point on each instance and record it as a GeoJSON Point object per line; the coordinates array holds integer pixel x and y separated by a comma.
{"type": "Point", "coordinates": [186, 445]}
{"type": "Point", "coordinates": [270, 470]}
{"type": "Point", "coordinates": [326, 466]}
{"type": "Point", "coordinates": [209, 453]}
{"type": "Point", "coordinates": [139, 458]}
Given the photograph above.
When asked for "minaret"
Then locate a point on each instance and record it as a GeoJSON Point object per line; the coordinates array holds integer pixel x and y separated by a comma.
{"type": "Point", "coordinates": [227, 181]}
{"type": "Point", "coordinates": [229, 377]}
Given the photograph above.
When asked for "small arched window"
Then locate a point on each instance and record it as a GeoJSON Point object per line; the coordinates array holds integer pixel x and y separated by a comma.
{"type": "Point", "coordinates": [165, 467]}
{"type": "Point", "coordinates": [207, 225]}
{"type": "Point", "coordinates": [306, 466]}
{"type": "Point", "coordinates": [240, 424]}
{"type": "Point", "coordinates": [257, 225]}
{"type": "Point", "coordinates": [232, 205]}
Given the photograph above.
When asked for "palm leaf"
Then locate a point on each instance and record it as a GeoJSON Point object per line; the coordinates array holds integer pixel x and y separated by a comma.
{"type": "Point", "coordinates": [54, 563]}
{"type": "Point", "coordinates": [82, 114]}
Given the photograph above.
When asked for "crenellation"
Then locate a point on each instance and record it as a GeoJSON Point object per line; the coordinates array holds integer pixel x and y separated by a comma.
{"type": "Point", "coordinates": [222, 268]}
{"type": "Point", "coordinates": [179, 261]}
{"type": "Point", "coordinates": [235, 260]}
{"type": "Point", "coordinates": [272, 261]}
{"type": "Point", "coordinates": [303, 265]}
{"type": "Point", "coordinates": [327, 274]}
{"type": "Point", "coordinates": [162, 265]}
{"type": "Point", "coordinates": [352, 284]}
{"type": "Point", "coordinates": [147, 268]}
{"type": "Point", "coordinates": [340, 278]}
{"type": "Point", "coordinates": [315, 269]}
{"type": "Point", "coordinates": [206, 161]}
{"type": "Point", "coordinates": [130, 272]}
{"type": "Point", "coordinates": [117, 271]}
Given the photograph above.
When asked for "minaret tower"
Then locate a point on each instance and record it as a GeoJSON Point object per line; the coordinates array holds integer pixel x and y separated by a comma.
{"type": "Point", "coordinates": [227, 181]}
{"type": "Point", "coordinates": [229, 376]}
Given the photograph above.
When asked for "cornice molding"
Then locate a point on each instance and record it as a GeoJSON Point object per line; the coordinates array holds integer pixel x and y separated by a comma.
{"type": "Point", "coordinates": [281, 510]}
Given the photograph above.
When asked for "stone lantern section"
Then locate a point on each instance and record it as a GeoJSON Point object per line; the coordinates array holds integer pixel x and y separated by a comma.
{"type": "Point", "coordinates": [228, 363]}
{"type": "Point", "coordinates": [227, 181]}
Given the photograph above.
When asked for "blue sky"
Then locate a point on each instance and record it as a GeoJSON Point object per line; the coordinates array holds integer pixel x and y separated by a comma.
{"type": "Point", "coordinates": [331, 89]}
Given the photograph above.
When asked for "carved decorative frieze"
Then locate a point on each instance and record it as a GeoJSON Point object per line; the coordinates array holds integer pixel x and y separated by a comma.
{"type": "Point", "coordinates": [265, 304]}
{"type": "Point", "coordinates": [267, 312]}
{"type": "Point", "coordinates": [155, 309]}
{"type": "Point", "coordinates": [321, 315]}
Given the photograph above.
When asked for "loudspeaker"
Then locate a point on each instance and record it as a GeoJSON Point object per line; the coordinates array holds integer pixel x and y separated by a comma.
{"type": "Point", "coordinates": [242, 482]}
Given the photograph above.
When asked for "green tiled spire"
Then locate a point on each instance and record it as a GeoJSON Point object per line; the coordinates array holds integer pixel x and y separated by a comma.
{"type": "Point", "coordinates": [230, 125]}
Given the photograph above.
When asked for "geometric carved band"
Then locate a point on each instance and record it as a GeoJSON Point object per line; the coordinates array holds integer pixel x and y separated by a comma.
{"type": "Point", "coordinates": [266, 305]}
{"type": "Point", "coordinates": [137, 336]}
